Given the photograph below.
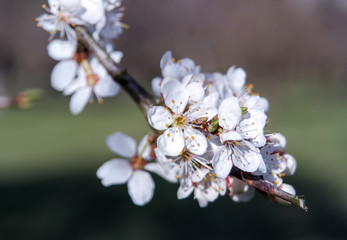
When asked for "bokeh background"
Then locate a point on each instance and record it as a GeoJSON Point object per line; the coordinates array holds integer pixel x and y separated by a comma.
{"type": "Point", "coordinates": [294, 52]}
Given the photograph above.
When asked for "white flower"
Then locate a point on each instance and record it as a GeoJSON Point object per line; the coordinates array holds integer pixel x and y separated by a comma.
{"type": "Point", "coordinates": [278, 163]}
{"type": "Point", "coordinates": [110, 26]}
{"type": "Point", "coordinates": [179, 122]}
{"type": "Point", "coordinates": [206, 188]}
{"type": "Point", "coordinates": [62, 14]}
{"type": "Point", "coordinates": [189, 166]}
{"type": "Point", "coordinates": [91, 79]}
{"type": "Point", "coordinates": [233, 84]}
{"type": "Point", "coordinates": [173, 70]}
{"type": "Point", "coordinates": [119, 171]}
{"type": "Point", "coordinates": [241, 136]}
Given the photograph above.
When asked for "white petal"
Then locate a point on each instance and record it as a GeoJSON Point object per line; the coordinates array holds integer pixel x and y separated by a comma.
{"type": "Point", "coordinates": [106, 87]}
{"type": "Point", "coordinates": [163, 160]}
{"type": "Point", "coordinates": [175, 96]}
{"type": "Point", "coordinates": [230, 136]}
{"type": "Point", "coordinates": [212, 99]}
{"type": "Point", "coordinates": [278, 140]}
{"type": "Point", "coordinates": [198, 195]}
{"type": "Point", "coordinates": [195, 141]}
{"type": "Point", "coordinates": [291, 164]}
{"type": "Point", "coordinates": [115, 171]}
{"type": "Point", "coordinates": [156, 86]}
{"type": "Point", "coordinates": [61, 49]}
{"type": "Point", "coordinates": [141, 187]}
{"type": "Point", "coordinates": [252, 127]}
{"type": "Point", "coordinates": [159, 118]}
{"type": "Point", "coordinates": [169, 175]}
{"type": "Point", "coordinates": [166, 58]}
{"type": "Point", "coordinates": [63, 73]}
{"type": "Point", "coordinates": [144, 148]}
{"type": "Point", "coordinates": [196, 92]}
{"type": "Point", "coordinates": [79, 100]}
{"type": "Point", "coordinates": [76, 84]}
{"type": "Point", "coordinates": [221, 162]}
{"type": "Point", "coordinates": [184, 193]}
{"type": "Point", "coordinates": [201, 110]}
{"type": "Point", "coordinates": [171, 142]}
{"type": "Point", "coordinates": [199, 174]}
{"type": "Point", "coordinates": [246, 156]}
{"type": "Point", "coordinates": [229, 113]}
{"type": "Point", "coordinates": [121, 144]}
{"type": "Point", "coordinates": [222, 184]}
{"type": "Point", "coordinates": [236, 78]}
{"type": "Point", "coordinates": [94, 11]}
{"type": "Point", "coordinates": [244, 197]}
{"type": "Point", "coordinates": [211, 193]}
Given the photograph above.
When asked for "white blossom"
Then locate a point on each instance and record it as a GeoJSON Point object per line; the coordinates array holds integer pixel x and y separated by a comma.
{"type": "Point", "coordinates": [178, 120]}
{"type": "Point", "coordinates": [132, 169]}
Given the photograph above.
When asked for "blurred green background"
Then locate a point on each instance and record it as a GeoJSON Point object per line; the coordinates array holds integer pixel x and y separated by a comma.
{"type": "Point", "coordinates": [294, 52]}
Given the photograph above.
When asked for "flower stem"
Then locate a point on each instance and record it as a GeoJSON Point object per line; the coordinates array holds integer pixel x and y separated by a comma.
{"type": "Point", "coordinates": [142, 98]}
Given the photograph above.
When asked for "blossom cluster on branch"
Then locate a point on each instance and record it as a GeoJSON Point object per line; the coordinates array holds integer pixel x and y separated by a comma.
{"type": "Point", "coordinates": [208, 128]}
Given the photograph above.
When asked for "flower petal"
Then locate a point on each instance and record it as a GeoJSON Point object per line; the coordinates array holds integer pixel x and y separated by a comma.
{"type": "Point", "coordinates": [63, 73]}
{"type": "Point", "coordinates": [175, 96]}
{"type": "Point", "coordinates": [159, 118]}
{"type": "Point", "coordinates": [246, 156]}
{"type": "Point", "coordinates": [144, 148]}
{"type": "Point", "coordinates": [195, 141]}
{"type": "Point", "coordinates": [230, 136]}
{"type": "Point", "coordinates": [79, 100]}
{"type": "Point", "coordinates": [236, 78]}
{"type": "Point", "coordinates": [156, 86]}
{"type": "Point", "coordinates": [196, 92]}
{"type": "Point", "coordinates": [106, 87]}
{"type": "Point", "coordinates": [94, 11]}
{"type": "Point", "coordinates": [115, 171]}
{"type": "Point", "coordinates": [184, 193]}
{"type": "Point", "coordinates": [291, 164]}
{"type": "Point", "coordinates": [199, 174]}
{"type": "Point", "coordinates": [141, 187]}
{"type": "Point", "coordinates": [171, 142]}
{"type": "Point", "coordinates": [61, 49]}
{"type": "Point", "coordinates": [169, 175]}
{"type": "Point", "coordinates": [121, 144]}
{"type": "Point", "coordinates": [221, 162]}
{"type": "Point", "coordinates": [229, 113]}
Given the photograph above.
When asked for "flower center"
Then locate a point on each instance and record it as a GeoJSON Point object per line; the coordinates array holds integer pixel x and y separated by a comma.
{"type": "Point", "coordinates": [92, 79]}
{"type": "Point", "coordinates": [180, 120]}
{"type": "Point", "coordinates": [137, 162]}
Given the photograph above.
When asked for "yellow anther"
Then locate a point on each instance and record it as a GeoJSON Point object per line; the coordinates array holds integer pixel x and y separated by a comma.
{"type": "Point", "coordinates": [44, 6]}
{"type": "Point", "coordinates": [178, 176]}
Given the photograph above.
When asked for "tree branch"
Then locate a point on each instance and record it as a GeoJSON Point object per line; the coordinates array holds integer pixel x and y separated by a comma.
{"type": "Point", "coordinates": [262, 185]}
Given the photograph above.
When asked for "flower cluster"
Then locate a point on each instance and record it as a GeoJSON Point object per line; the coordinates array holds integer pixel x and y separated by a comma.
{"type": "Point", "coordinates": [78, 73]}
{"type": "Point", "coordinates": [208, 128]}
{"type": "Point", "coordinates": [206, 125]}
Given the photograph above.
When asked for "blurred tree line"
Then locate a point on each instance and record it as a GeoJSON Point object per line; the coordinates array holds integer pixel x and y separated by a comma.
{"type": "Point", "coordinates": [270, 39]}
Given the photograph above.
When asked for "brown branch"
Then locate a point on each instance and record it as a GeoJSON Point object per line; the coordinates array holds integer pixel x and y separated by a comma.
{"type": "Point", "coordinates": [266, 187]}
